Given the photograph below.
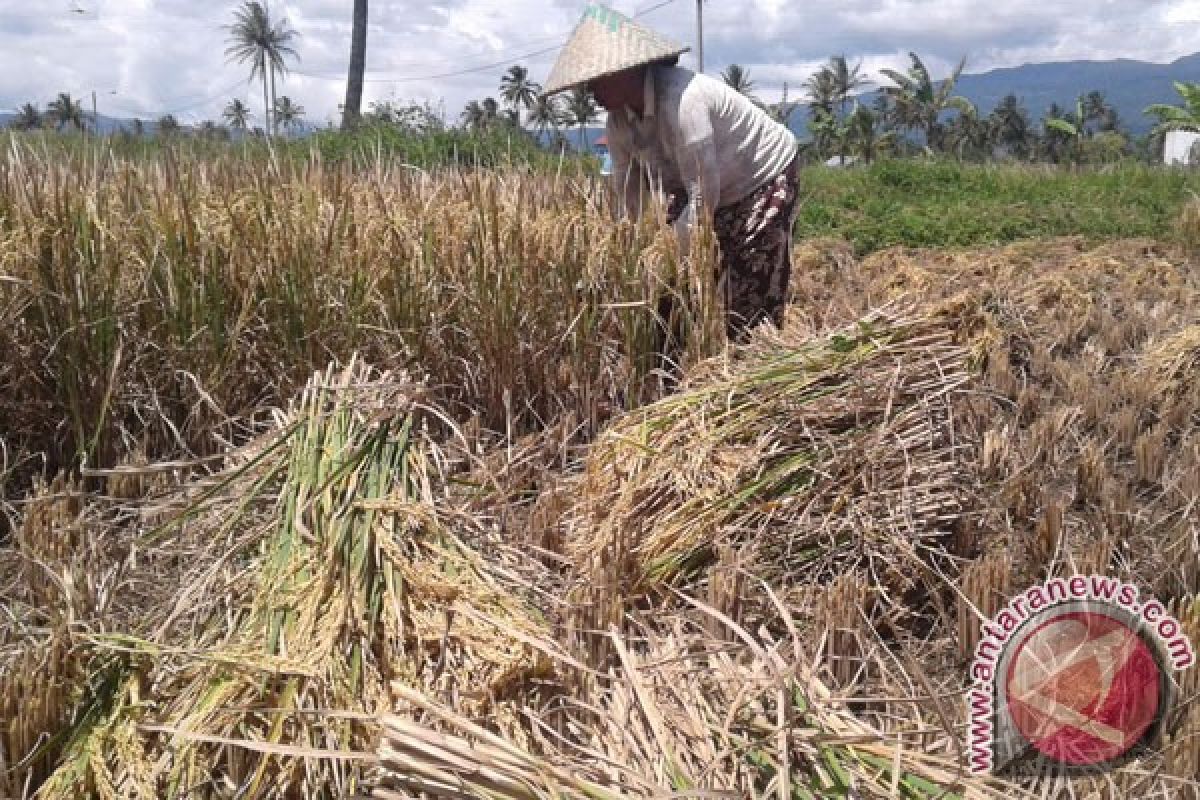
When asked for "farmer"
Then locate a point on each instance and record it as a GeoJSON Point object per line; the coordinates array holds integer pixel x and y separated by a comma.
{"type": "Point", "coordinates": [717, 156]}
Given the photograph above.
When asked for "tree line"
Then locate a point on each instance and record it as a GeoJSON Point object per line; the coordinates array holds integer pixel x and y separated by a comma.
{"type": "Point", "coordinates": [910, 113]}
{"type": "Point", "coordinates": [65, 113]}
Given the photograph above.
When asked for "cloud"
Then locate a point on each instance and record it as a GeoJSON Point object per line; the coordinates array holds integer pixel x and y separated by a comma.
{"type": "Point", "coordinates": [147, 57]}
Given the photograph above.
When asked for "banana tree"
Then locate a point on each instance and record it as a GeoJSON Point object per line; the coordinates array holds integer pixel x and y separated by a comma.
{"type": "Point", "coordinates": [830, 134]}
{"type": "Point", "coordinates": [866, 134]}
{"type": "Point", "coordinates": [1073, 128]}
{"type": "Point", "coordinates": [1178, 118]}
{"type": "Point", "coordinates": [919, 102]}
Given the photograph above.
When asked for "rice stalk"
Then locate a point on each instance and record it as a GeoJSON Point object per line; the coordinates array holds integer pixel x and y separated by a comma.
{"type": "Point", "coordinates": [152, 302]}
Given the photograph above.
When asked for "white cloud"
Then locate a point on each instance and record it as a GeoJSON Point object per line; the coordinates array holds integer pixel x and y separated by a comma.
{"type": "Point", "coordinates": [168, 55]}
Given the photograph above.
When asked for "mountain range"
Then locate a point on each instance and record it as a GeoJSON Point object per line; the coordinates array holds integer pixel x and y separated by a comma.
{"type": "Point", "coordinates": [1129, 86]}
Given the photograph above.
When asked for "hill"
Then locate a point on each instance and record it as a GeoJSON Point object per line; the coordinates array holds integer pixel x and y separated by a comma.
{"type": "Point", "coordinates": [1129, 85]}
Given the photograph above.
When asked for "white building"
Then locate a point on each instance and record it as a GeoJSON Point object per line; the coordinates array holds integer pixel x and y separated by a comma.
{"type": "Point", "coordinates": [1177, 148]}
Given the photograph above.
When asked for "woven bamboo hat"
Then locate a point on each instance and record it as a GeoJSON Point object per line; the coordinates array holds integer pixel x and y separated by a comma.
{"type": "Point", "coordinates": [606, 42]}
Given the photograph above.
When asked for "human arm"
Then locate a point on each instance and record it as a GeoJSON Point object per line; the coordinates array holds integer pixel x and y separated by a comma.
{"type": "Point", "coordinates": [628, 177]}
{"type": "Point", "coordinates": [699, 169]}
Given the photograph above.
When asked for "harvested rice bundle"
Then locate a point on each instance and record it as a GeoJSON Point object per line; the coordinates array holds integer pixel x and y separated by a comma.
{"type": "Point", "coordinates": [343, 579]}
{"type": "Point", "coordinates": [815, 456]}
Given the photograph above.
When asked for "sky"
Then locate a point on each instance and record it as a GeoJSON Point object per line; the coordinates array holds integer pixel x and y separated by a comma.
{"type": "Point", "coordinates": [149, 57]}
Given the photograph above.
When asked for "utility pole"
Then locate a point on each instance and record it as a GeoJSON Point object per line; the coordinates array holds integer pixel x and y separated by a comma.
{"type": "Point", "coordinates": [352, 108]}
{"type": "Point", "coordinates": [95, 116]}
{"type": "Point", "coordinates": [700, 35]}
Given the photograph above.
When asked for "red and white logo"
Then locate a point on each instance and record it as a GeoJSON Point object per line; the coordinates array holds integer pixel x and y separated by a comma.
{"type": "Point", "coordinates": [1074, 674]}
{"type": "Point", "coordinates": [1083, 688]}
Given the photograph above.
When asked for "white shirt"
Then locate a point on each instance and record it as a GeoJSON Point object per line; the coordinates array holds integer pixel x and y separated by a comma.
{"type": "Point", "coordinates": [698, 136]}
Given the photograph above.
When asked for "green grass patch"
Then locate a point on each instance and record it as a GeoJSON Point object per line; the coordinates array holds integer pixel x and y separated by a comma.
{"type": "Point", "coordinates": [366, 148]}
{"type": "Point", "coordinates": [946, 204]}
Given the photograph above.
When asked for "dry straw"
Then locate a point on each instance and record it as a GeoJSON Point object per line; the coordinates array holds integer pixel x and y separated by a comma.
{"type": "Point", "coordinates": [680, 714]}
{"type": "Point", "coordinates": [811, 457]}
{"type": "Point", "coordinates": [229, 623]}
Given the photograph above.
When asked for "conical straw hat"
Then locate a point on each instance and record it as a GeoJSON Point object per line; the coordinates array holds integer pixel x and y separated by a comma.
{"type": "Point", "coordinates": [606, 42]}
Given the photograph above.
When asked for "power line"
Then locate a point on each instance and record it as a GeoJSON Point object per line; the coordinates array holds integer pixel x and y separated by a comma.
{"type": "Point", "coordinates": [403, 79]}
{"type": "Point", "coordinates": [557, 38]}
{"type": "Point", "coordinates": [180, 109]}
{"type": "Point", "coordinates": [559, 41]}
{"type": "Point", "coordinates": [470, 70]}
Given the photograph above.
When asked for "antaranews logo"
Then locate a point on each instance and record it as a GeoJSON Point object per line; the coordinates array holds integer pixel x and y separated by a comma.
{"type": "Point", "coordinates": [1075, 675]}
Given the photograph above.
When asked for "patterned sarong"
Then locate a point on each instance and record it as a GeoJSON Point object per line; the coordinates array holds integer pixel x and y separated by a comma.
{"type": "Point", "coordinates": [755, 237]}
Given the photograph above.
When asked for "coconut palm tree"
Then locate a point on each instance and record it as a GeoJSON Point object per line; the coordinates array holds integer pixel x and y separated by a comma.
{"type": "Point", "coordinates": [822, 91]}
{"type": "Point", "coordinates": [167, 126]}
{"type": "Point", "coordinates": [473, 117]}
{"type": "Point", "coordinates": [737, 78]}
{"type": "Point", "coordinates": [920, 102]}
{"type": "Point", "coordinates": [866, 135]}
{"type": "Point", "coordinates": [64, 110]}
{"type": "Point", "coordinates": [546, 114]}
{"type": "Point", "coordinates": [352, 108]}
{"type": "Point", "coordinates": [971, 136]}
{"type": "Point", "coordinates": [1110, 122]}
{"type": "Point", "coordinates": [237, 114]}
{"type": "Point", "coordinates": [491, 111]}
{"type": "Point", "coordinates": [846, 79]}
{"type": "Point", "coordinates": [28, 118]}
{"type": "Point", "coordinates": [582, 111]}
{"type": "Point", "coordinates": [517, 90]}
{"type": "Point", "coordinates": [265, 45]}
{"type": "Point", "coordinates": [287, 113]}
{"type": "Point", "coordinates": [1011, 127]}
{"type": "Point", "coordinates": [479, 115]}
{"type": "Point", "coordinates": [1184, 117]}
{"type": "Point", "coordinates": [1097, 109]}
{"type": "Point", "coordinates": [883, 108]}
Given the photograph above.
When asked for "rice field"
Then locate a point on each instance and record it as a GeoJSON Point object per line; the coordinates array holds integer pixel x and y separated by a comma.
{"type": "Point", "coordinates": [340, 479]}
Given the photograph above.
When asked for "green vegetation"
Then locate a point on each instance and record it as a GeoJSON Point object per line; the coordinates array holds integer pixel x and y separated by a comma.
{"type": "Point", "coordinates": [369, 145]}
{"type": "Point", "coordinates": [950, 204]}
{"type": "Point", "coordinates": [351, 449]}
{"type": "Point", "coordinates": [487, 146]}
{"type": "Point", "coordinates": [1185, 117]}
